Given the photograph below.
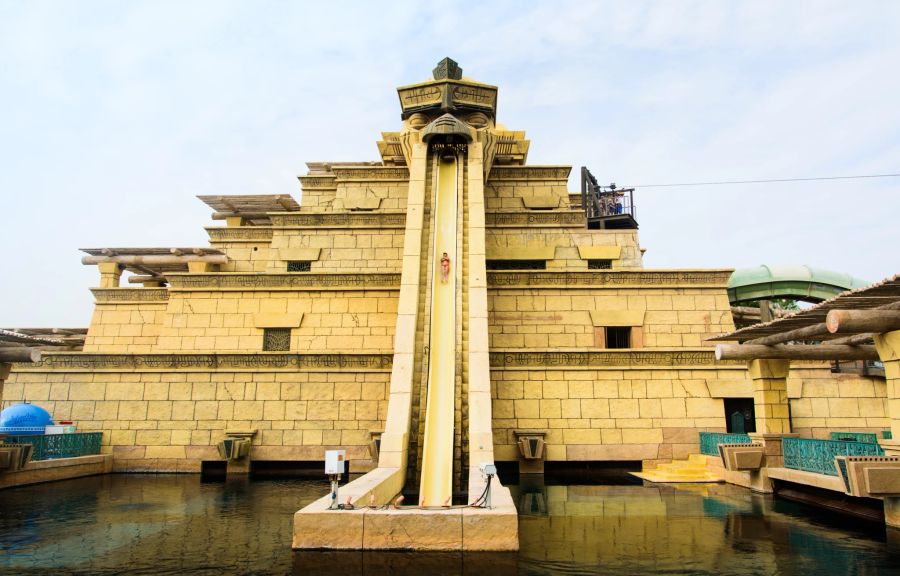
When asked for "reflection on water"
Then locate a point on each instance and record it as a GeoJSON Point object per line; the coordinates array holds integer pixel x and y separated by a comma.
{"type": "Point", "coordinates": [151, 524]}
{"type": "Point", "coordinates": [688, 529]}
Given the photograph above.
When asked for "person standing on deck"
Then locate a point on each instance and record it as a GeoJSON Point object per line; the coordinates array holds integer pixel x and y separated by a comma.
{"type": "Point", "coordinates": [445, 268]}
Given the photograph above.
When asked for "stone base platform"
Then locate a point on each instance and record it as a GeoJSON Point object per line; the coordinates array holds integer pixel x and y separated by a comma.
{"type": "Point", "coordinates": [822, 481]}
{"type": "Point", "coordinates": [407, 528]}
{"type": "Point", "coordinates": [38, 471]}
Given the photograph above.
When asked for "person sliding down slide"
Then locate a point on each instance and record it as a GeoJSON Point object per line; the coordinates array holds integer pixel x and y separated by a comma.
{"type": "Point", "coordinates": [445, 268]}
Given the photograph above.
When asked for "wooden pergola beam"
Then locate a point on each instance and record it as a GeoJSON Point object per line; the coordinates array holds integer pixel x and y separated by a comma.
{"type": "Point", "coordinates": [244, 215]}
{"type": "Point", "coordinates": [857, 321]}
{"type": "Point", "coordinates": [136, 279]}
{"type": "Point", "coordinates": [19, 354]}
{"type": "Point", "coordinates": [795, 352]}
{"type": "Point", "coordinates": [854, 340]}
{"type": "Point", "coordinates": [156, 260]}
{"type": "Point", "coordinates": [805, 333]}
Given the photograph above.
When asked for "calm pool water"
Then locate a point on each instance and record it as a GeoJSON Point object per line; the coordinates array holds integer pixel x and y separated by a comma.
{"type": "Point", "coordinates": [157, 524]}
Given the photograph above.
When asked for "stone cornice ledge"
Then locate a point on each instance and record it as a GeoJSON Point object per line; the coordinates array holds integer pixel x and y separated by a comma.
{"type": "Point", "coordinates": [649, 279]}
{"type": "Point", "coordinates": [198, 362]}
{"type": "Point", "coordinates": [238, 281]}
{"type": "Point", "coordinates": [589, 359]}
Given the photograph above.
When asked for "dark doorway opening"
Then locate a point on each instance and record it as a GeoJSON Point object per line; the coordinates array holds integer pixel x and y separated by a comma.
{"type": "Point", "coordinates": [740, 417]}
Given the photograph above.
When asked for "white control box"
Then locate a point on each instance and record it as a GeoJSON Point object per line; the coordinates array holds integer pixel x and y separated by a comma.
{"type": "Point", "coordinates": [488, 469]}
{"type": "Point", "coordinates": [334, 461]}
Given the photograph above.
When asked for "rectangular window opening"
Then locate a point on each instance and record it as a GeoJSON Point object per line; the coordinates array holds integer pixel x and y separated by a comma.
{"type": "Point", "coordinates": [599, 264]}
{"type": "Point", "coordinates": [740, 415]}
{"type": "Point", "coordinates": [276, 339]}
{"type": "Point", "coordinates": [299, 266]}
{"type": "Point", "coordinates": [516, 264]}
{"type": "Point", "coordinates": [618, 337]}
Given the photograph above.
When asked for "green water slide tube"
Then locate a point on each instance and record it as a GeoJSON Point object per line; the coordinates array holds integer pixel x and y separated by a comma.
{"type": "Point", "coordinates": [794, 282]}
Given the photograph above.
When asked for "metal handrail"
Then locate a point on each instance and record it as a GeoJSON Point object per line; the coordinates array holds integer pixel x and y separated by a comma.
{"type": "Point", "coordinates": [598, 201]}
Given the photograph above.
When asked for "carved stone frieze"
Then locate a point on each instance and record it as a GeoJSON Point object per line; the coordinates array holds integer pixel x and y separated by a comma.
{"type": "Point", "coordinates": [475, 96]}
{"type": "Point", "coordinates": [341, 220]}
{"type": "Point", "coordinates": [318, 182]}
{"type": "Point", "coordinates": [573, 219]}
{"type": "Point", "coordinates": [239, 234]}
{"type": "Point", "coordinates": [608, 359]}
{"type": "Point", "coordinates": [610, 279]}
{"type": "Point", "coordinates": [447, 95]}
{"type": "Point", "coordinates": [367, 173]}
{"type": "Point", "coordinates": [120, 295]}
{"type": "Point", "coordinates": [85, 362]}
{"type": "Point", "coordinates": [305, 281]}
{"type": "Point", "coordinates": [530, 173]}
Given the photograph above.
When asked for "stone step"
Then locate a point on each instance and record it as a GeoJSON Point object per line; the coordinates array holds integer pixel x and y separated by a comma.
{"type": "Point", "coordinates": [694, 469]}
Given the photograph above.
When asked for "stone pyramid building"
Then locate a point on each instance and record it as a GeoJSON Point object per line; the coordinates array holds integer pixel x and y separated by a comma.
{"type": "Point", "coordinates": [445, 306]}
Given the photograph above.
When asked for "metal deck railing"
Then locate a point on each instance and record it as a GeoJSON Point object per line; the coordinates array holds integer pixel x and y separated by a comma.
{"type": "Point", "coordinates": [51, 446]}
{"type": "Point", "coordinates": [709, 441]}
{"type": "Point", "coordinates": [817, 456]}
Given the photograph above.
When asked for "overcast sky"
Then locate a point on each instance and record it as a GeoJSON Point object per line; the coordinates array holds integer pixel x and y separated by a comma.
{"type": "Point", "coordinates": [114, 115]}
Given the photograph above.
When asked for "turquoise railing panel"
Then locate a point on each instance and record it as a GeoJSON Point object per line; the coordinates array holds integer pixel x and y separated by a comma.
{"type": "Point", "coordinates": [50, 446]}
{"type": "Point", "coordinates": [709, 441]}
{"type": "Point", "coordinates": [864, 437]}
{"type": "Point", "coordinates": [818, 455]}
{"type": "Point", "coordinates": [887, 435]}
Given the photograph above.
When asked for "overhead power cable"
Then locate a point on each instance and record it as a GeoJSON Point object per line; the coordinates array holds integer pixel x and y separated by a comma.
{"type": "Point", "coordinates": [725, 182]}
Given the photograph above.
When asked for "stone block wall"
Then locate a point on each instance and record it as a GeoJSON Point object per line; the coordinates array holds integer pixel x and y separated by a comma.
{"type": "Point", "coordinates": [341, 250]}
{"type": "Point", "coordinates": [389, 195]}
{"type": "Point", "coordinates": [566, 243]}
{"type": "Point", "coordinates": [545, 317]}
{"type": "Point", "coordinates": [252, 256]}
{"type": "Point", "coordinates": [171, 421]}
{"type": "Point", "coordinates": [336, 321]}
{"type": "Point", "coordinates": [608, 414]}
{"type": "Point", "coordinates": [130, 327]}
{"type": "Point", "coordinates": [822, 402]}
{"type": "Point", "coordinates": [509, 188]}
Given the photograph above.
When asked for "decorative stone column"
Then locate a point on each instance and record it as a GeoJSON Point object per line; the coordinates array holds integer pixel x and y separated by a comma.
{"type": "Point", "coordinates": [888, 346]}
{"type": "Point", "coordinates": [200, 267]}
{"type": "Point", "coordinates": [110, 274]}
{"type": "Point", "coordinates": [773, 421]}
{"type": "Point", "coordinates": [5, 368]}
{"type": "Point", "coordinates": [770, 395]}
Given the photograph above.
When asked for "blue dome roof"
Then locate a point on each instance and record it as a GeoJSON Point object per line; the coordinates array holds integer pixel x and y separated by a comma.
{"type": "Point", "coordinates": [24, 416]}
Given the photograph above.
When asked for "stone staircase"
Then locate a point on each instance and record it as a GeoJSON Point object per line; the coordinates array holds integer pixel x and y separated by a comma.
{"type": "Point", "coordinates": [694, 469]}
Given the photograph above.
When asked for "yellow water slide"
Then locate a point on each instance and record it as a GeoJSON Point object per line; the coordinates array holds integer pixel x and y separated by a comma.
{"type": "Point", "coordinates": [437, 455]}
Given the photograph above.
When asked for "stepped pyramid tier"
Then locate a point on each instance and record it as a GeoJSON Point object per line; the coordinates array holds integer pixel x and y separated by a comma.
{"type": "Point", "coordinates": [444, 307]}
